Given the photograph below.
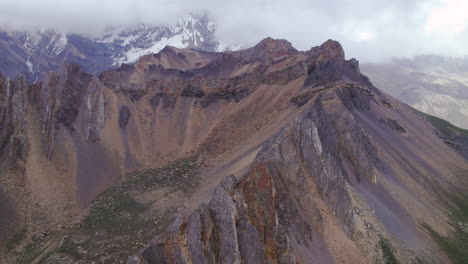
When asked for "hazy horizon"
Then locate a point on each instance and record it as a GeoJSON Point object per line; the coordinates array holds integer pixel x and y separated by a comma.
{"type": "Point", "coordinates": [371, 31]}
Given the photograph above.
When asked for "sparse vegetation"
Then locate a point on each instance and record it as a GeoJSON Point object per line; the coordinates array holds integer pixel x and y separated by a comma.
{"type": "Point", "coordinates": [115, 206]}
{"type": "Point", "coordinates": [454, 245]}
{"type": "Point", "coordinates": [45, 257]}
{"type": "Point", "coordinates": [387, 252]}
{"type": "Point", "coordinates": [446, 128]}
{"type": "Point", "coordinates": [417, 260]}
{"type": "Point", "coordinates": [15, 240]}
{"type": "Point", "coordinates": [109, 209]}
{"type": "Point", "coordinates": [70, 250]}
{"type": "Point", "coordinates": [119, 223]}
{"type": "Point", "coordinates": [33, 249]}
{"type": "Point", "coordinates": [178, 174]}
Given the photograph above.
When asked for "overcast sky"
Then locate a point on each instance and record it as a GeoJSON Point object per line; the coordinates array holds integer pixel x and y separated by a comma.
{"type": "Point", "coordinates": [368, 29]}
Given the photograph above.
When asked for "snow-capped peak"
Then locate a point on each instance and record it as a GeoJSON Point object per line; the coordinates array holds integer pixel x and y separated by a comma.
{"type": "Point", "coordinates": [189, 32]}
{"type": "Point", "coordinates": [45, 50]}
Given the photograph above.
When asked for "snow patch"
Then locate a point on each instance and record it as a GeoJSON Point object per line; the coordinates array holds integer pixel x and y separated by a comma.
{"type": "Point", "coordinates": [29, 65]}
{"type": "Point", "coordinates": [135, 53]}
{"type": "Point", "coordinates": [316, 139]}
{"type": "Point", "coordinates": [211, 26]}
{"type": "Point", "coordinates": [32, 41]}
{"type": "Point", "coordinates": [61, 42]}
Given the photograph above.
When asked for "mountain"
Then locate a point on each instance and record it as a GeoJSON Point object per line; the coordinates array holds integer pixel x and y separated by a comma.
{"type": "Point", "coordinates": [262, 155]}
{"type": "Point", "coordinates": [38, 52]}
{"type": "Point", "coordinates": [436, 85]}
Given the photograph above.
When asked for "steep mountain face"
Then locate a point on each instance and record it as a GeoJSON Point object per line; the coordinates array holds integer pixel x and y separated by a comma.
{"type": "Point", "coordinates": [332, 186]}
{"type": "Point", "coordinates": [263, 155]}
{"type": "Point", "coordinates": [433, 84]}
{"type": "Point", "coordinates": [35, 53]}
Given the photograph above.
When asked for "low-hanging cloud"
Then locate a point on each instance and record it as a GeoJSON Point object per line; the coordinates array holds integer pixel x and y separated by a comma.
{"type": "Point", "coordinates": [368, 29]}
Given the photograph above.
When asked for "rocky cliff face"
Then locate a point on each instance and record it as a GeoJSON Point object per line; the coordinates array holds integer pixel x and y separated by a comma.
{"type": "Point", "coordinates": [13, 139]}
{"type": "Point", "coordinates": [314, 163]}
{"type": "Point", "coordinates": [321, 186]}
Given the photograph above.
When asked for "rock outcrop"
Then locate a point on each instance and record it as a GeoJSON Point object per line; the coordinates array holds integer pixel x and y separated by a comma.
{"type": "Point", "coordinates": [13, 122]}
{"type": "Point", "coordinates": [256, 219]}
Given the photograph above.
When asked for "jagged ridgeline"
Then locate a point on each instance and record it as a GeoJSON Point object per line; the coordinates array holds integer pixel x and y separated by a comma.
{"type": "Point", "coordinates": [263, 155]}
{"type": "Point", "coordinates": [36, 52]}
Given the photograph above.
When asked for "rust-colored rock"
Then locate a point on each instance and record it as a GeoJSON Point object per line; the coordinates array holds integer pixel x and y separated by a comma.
{"type": "Point", "coordinates": [321, 169]}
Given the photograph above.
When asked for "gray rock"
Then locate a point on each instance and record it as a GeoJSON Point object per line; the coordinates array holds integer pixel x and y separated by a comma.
{"type": "Point", "coordinates": [134, 260]}
{"type": "Point", "coordinates": [124, 116]}
{"type": "Point", "coordinates": [229, 183]}
{"type": "Point", "coordinates": [195, 239]}
{"type": "Point", "coordinates": [251, 249]}
{"type": "Point", "coordinates": [14, 144]}
{"type": "Point", "coordinates": [155, 254]}
{"type": "Point", "coordinates": [223, 210]}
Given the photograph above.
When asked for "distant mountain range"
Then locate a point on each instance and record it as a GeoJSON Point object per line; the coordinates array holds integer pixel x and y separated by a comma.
{"type": "Point", "coordinates": [35, 53]}
{"type": "Point", "coordinates": [436, 85]}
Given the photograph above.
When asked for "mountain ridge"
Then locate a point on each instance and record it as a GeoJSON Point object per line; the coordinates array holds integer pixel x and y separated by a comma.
{"type": "Point", "coordinates": [37, 52]}
{"type": "Point", "coordinates": [322, 160]}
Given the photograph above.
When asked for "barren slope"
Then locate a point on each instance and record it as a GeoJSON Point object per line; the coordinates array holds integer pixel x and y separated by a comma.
{"type": "Point", "coordinates": [327, 169]}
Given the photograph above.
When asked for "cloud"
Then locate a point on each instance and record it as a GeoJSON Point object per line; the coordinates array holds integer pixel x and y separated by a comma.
{"type": "Point", "coordinates": [450, 18]}
{"type": "Point", "coordinates": [368, 29]}
{"type": "Point", "coordinates": [366, 35]}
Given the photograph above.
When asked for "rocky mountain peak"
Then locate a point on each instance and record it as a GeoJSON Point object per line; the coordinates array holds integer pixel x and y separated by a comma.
{"type": "Point", "coordinates": [275, 46]}
{"type": "Point", "coordinates": [329, 65]}
{"type": "Point", "coordinates": [267, 49]}
{"type": "Point", "coordinates": [330, 49]}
